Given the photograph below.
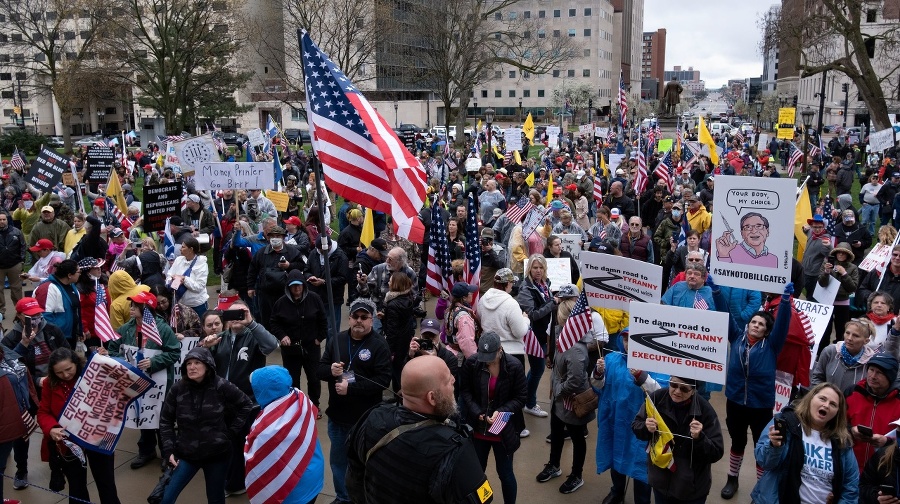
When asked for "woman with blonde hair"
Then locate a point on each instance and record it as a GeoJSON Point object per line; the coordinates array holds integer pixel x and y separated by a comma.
{"type": "Point", "coordinates": [844, 363]}
{"type": "Point", "coordinates": [539, 303]}
{"type": "Point", "coordinates": [808, 454]}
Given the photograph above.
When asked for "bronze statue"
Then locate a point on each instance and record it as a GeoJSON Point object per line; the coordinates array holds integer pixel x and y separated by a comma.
{"type": "Point", "coordinates": [672, 96]}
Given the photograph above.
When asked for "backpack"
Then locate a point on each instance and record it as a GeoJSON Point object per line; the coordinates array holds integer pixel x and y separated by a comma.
{"type": "Point", "coordinates": [451, 323]}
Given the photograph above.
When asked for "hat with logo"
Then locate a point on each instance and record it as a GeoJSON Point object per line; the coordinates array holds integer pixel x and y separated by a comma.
{"type": "Point", "coordinates": [886, 362]}
{"type": "Point", "coordinates": [225, 302]}
{"type": "Point", "coordinates": [362, 304]}
{"type": "Point", "coordinates": [488, 346]}
{"type": "Point", "coordinates": [431, 326]}
{"type": "Point", "coordinates": [29, 306]}
{"type": "Point", "coordinates": [42, 244]}
{"type": "Point", "coordinates": [567, 291]}
{"type": "Point", "coordinates": [293, 220]}
{"type": "Point", "coordinates": [505, 275]}
{"type": "Point", "coordinates": [144, 298]}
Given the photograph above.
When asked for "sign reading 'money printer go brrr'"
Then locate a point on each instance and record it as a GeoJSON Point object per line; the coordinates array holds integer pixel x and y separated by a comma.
{"type": "Point", "coordinates": [218, 176]}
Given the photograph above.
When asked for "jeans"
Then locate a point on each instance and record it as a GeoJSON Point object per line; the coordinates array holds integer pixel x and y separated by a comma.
{"type": "Point", "coordinates": [536, 366]}
{"type": "Point", "coordinates": [5, 449]}
{"type": "Point", "coordinates": [504, 465]}
{"type": "Point", "coordinates": [307, 363]}
{"type": "Point", "coordinates": [619, 482]}
{"type": "Point", "coordinates": [659, 498]}
{"type": "Point", "coordinates": [214, 472]}
{"type": "Point", "coordinates": [869, 217]}
{"type": "Point", "coordinates": [337, 458]}
{"type": "Point", "coordinates": [201, 309]}
{"type": "Point", "coordinates": [102, 468]}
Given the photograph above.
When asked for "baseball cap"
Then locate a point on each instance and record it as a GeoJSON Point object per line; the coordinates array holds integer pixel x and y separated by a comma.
{"type": "Point", "coordinates": [144, 298]}
{"type": "Point", "coordinates": [895, 174]}
{"type": "Point", "coordinates": [42, 244]}
{"type": "Point", "coordinates": [28, 306]}
{"type": "Point", "coordinates": [224, 302]}
{"type": "Point", "coordinates": [488, 346]}
{"type": "Point", "coordinates": [362, 304]}
{"type": "Point", "coordinates": [116, 232]}
{"type": "Point", "coordinates": [505, 275]}
{"type": "Point", "coordinates": [100, 202]}
{"type": "Point", "coordinates": [194, 198]}
{"type": "Point", "coordinates": [47, 208]}
{"type": "Point", "coordinates": [176, 221]}
{"type": "Point", "coordinates": [487, 233]}
{"type": "Point", "coordinates": [293, 220]}
{"type": "Point", "coordinates": [461, 289]}
{"type": "Point", "coordinates": [615, 212]}
{"type": "Point", "coordinates": [276, 231]}
{"type": "Point", "coordinates": [567, 291]}
{"type": "Point", "coordinates": [431, 325]}
{"type": "Point", "coordinates": [379, 244]}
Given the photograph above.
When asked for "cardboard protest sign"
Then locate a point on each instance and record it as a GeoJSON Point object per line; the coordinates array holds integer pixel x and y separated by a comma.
{"type": "Point", "coordinates": [47, 170]}
{"type": "Point", "coordinates": [678, 341]}
{"type": "Point", "coordinates": [787, 117]}
{"type": "Point", "coordinates": [473, 164]}
{"type": "Point", "coordinates": [614, 282]}
{"type": "Point", "coordinates": [256, 137]}
{"type": "Point", "coordinates": [171, 158]}
{"type": "Point", "coordinates": [877, 258]}
{"type": "Point", "coordinates": [585, 129]}
{"type": "Point", "coordinates": [195, 152]}
{"type": "Point", "coordinates": [827, 293]}
{"type": "Point", "coordinates": [187, 344]}
{"type": "Point", "coordinates": [664, 145]}
{"type": "Point", "coordinates": [571, 243]}
{"type": "Point", "coordinates": [99, 164]}
{"type": "Point", "coordinates": [881, 140]}
{"type": "Point", "coordinates": [161, 202]}
{"type": "Point", "coordinates": [144, 412]}
{"type": "Point", "coordinates": [763, 142]}
{"type": "Point", "coordinates": [558, 272]}
{"type": "Point", "coordinates": [513, 138]}
{"type": "Point", "coordinates": [614, 161]}
{"type": "Point", "coordinates": [819, 315]}
{"type": "Point", "coordinates": [279, 199]}
{"type": "Point", "coordinates": [753, 232]}
{"type": "Point", "coordinates": [94, 415]}
{"type": "Point", "coordinates": [218, 176]}
{"type": "Point", "coordinates": [601, 132]}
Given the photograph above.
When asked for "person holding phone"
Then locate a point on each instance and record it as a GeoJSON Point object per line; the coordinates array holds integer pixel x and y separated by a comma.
{"type": "Point", "coordinates": [879, 483]}
{"type": "Point", "coordinates": [807, 455]}
{"type": "Point", "coordinates": [874, 402]}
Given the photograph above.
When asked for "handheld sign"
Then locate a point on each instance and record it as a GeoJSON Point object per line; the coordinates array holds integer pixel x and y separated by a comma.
{"type": "Point", "coordinates": [99, 164]}
{"type": "Point", "coordinates": [256, 137]}
{"type": "Point", "coordinates": [614, 282]}
{"type": "Point", "coordinates": [194, 152]}
{"type": "Point", "coordinates": [161, 202]}
{"type": "Point", "coordinates": [47, 170]}
{"type": "Point", "coordinates": [218, 176]}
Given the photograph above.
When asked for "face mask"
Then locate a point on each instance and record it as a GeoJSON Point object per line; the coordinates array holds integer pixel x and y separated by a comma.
{"type": "Point", "coordinates": [676, 213]}
{"type": "Point", "coordinates": [28, 205]}
{"type": "Point", "coordinates": [98, 210]}
{"type": "Point", "coordinates": [276, 242]}
{"type": "Point", "coordinates": [94, 277]}
{"type": "Point", "coordinates": [116, 248]}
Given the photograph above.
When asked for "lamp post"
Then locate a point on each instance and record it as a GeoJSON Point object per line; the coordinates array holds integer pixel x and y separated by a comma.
{"type": "Point", "coordinates": [100, 115]}
{"type": "Point", "coordinates": [807, 116]}
{"type": "Point", "coordinates": [520, 110]}
{"type": "Point", "coordinates": [81, 122]}
{"type": "Point", "coordinates": [396, 105]}
{"type": "Point", "coordinates": [759, 106]}
{"type": "Point", "coordinates": [34, 121]}
{"type": "Point", "coordinates": [488, 119]}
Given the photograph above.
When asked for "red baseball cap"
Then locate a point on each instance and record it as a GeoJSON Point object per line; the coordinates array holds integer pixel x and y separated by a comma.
{"type": "Point", "coordinates": [29, 306]}
{"type": "Point", "coordinates": [293, 219]}
{"type": "Point", "coordinates": [42, 244]}
{"type": "Point", "coordinates": [144, 298]}
{"type": "Point", "coordinates": [100, 202]}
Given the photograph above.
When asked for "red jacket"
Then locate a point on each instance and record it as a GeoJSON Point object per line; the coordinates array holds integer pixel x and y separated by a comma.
{"type": "Point", "coordinates": [865, 409]}
{"type": "Point", "coordinates": [11, 425]}
{"type": "Point", "coordinates": [53, 400]}
{"type": "Point", "coordinates": [795, 356]}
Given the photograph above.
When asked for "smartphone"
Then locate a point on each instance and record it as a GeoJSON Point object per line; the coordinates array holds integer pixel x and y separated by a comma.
{"type": "Point", "coordinates": [228, 315]}
{"type": "Point", "coordinates": [780, 426]}
{"type": "Point", "coordinates": [888, 490]}
{"type": "Point", "coordinates": [864, 430]}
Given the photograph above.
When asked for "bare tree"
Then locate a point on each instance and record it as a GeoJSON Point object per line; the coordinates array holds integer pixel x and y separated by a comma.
{"type": "Point", "coordinates": [830, 35]}
{"type": "Point", "coordinates": [577, 95]}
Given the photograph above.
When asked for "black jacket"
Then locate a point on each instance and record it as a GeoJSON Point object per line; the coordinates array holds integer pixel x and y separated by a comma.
{"type": "Point", "coordinates": [510, 394]}
{"type": "Point", "coordinates": [852, 235]}
{"type": "Point", "coordinates": [240, 258]}
{"type": "Point", "coordinates": [48, 333]}
{"type": "Point", "coordinates": [209, 415]}
{"type": "Point", "coordinates": [340, 274]}
{"type": "Point", "coordinates": [12, 247]}
{"type": "Point", "coordinates": [371, 364]}
{"type": "Point", "coordinates": [890, 284]}
{"type": "Point", "coordinates": [239, 355]}
{"type": "Point", "coordinates": [540, 310]}
{"type": "Point", "coordinates": [302, 320]}
{"type": "Point", "coordinates": [348, 240]}
{"type": "Point", "coordinates": [873, 477]}
{"type": "Point", "coordinates": [399, 323]}
{"type": "Point", "coordinates": [265, 275]}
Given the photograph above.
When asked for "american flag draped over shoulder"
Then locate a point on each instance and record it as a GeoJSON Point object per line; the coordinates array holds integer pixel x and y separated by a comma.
{"type": "Point", "coordinates": [578, 323]}
{"type": "Point", "coordinates": [795, 156]}
{"type": "Point", "coordinates": [279, 448]}
{"type": "Point", "coordinates": [516, 212]}
{"type": "Point", "coordinates": [665, 172]}
{"type": "Point", "coordinates": [17, 161]}
{"type": "Point", "coordinates": [149, 329]}
{"type": "Point", "coordinates": [500, 422]}
{"type": "Point", "coordinates": [438, 253]}
{"type": "Point", "coordinates": [102, 326]}
{"type": "Point", "coordinates": [623, 103]}
{"type": "Point", "coordinates": [362, 158]}
{"type": "Point", "coordinates": [473, 245]}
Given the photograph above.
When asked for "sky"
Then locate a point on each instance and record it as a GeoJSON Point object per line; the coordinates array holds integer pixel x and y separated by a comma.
{"type": "Point", "coordinates": [720, 38]}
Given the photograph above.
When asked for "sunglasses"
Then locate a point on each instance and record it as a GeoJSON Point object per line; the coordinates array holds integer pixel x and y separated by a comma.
{"type": "Point", "coordinates": [360, 317]}
{"type": "Point", "coordinates": [683, 387]}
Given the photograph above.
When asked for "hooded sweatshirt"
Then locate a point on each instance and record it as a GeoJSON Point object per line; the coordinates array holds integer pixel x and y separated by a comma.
{"type": "Point", "coordinates": [500, 313]}
{"type": "Point", "coordinates": [121, 287]}
{"type": "Point", "coordinates": [831, 368]}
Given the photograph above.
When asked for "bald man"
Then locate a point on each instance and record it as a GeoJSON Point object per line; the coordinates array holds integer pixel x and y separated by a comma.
{"type": "Point", "coordinates": [389, 436]}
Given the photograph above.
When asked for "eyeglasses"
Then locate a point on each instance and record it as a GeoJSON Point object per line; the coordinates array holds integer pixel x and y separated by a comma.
{"type": "Point", "coordinates": [895, 254]}
{"type": "Point", "coordinates": [360, 317]}
{"type": "Point", "coordinates": [683, 387]}
{"type": "Point", "coordinates": [755, 227]}
{"type": "Point", "coordinates": [635, 224]}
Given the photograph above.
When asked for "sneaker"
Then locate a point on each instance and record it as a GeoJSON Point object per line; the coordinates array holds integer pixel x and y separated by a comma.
{"type": "Point", "coordinates": [572, 483]}
{"type": "Point", "coordinates": [565, 437]}
{"type": "Point", "coordinates": [57, 480]}
{"type": "Point", "coordinates": [142, 459]}
{"type": "Point", "coordinates": [536, 411]}
{"type": "Point", "coordinates": [11, 501]}
{"type": "Point", "coordinates": [525, 433]}
{"type": "Point", "coordinates": [232, 493]}
{"type": "Point", "coordinates": [549, 472]}
{"type": "Point", "coordinates": [20, 482]}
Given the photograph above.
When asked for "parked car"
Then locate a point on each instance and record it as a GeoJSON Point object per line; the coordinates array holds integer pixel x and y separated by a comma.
{"type": "Point", "coordinates": [292, 134]}
{"type": "Point", "coordinates": [55, 141]}
{"type": "Point", "coordinates": [410, 127]}
{"type": "Point", "coordinates": [234, 138]}
{"type": "Point", "coordinates": [91, 140]}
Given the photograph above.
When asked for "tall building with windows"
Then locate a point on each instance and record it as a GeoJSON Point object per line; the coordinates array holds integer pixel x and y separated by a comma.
{"type": "Point", "coordinates": [628, 26]}
{"type": "Point", "coordinates": [653, 64]}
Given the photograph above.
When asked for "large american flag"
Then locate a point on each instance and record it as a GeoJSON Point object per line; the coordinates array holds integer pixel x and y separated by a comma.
{"type": "Point", "coordinates": [795, 156]}
{"type": "Point", "coordinates": [16, 161]}
{"type": "Point", "coordinates": [640, 180]}
{"type": "Point", "coordinates": [665, 172]}
{"type": "Point", "coordinates": [279, 448]}
{"type": "Point", "coordinates": [623, 103]}
{"type": "Point", "coordinates": [473, 245]}
{"type": "Point", "coordinates": [149, 329]}
{"type": "Point", "coordinates": [437, 278]}
{"type": "Point", "coordinates": [362, 158]}
{"type": "Point", "coordinates": [739, 135]}
{"type": "Point", "coordinates": [102, 327]}
{"type": "Point", "coordinates": [578, 323]}
{"type": "Point", "coordinates": [516, 212]}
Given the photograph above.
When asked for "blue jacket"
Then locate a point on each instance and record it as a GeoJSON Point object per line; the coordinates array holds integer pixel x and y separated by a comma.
{"type": "Point", "coordinates": [780, 483]}
{"type": "Point", "coordinates": [742, 303]}
{"type": "Point", "coordinates": [751, 369]}
{"type": "Point", "coordinates": [682, 295]}
{"type": "Point", "coordinates": [620, 401]}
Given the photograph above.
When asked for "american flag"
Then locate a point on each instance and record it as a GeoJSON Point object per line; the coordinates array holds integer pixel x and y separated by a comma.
{"type": "Point", "coordinates": [657, 131]}
{"type": "Point", "coordinates": [473, 245]}
{"type": "Point", "coordinates": [170, 138]}
{"type": "Point", "coordinates": [640, 181]}
{"type": "Point", "coordinates": [830, 223]}
{"type": "Point", "coordinates": [814, 151]}
{"type": "Point", "coordinates": [699, 302]}
{"type": "Point", "coordinates": [795, 157]}
{"type": "Point", "coordinates": [16, 161]}
{"type": "Point", "coordinates": [499, 422]}
{"type": "Point", "coordinates": [665, 172]}
{"type": "Point", "coordinates": [362, 158]}
{"type": "Point", "coordinates": [598, 188]}
{"type": "Point", "coordinates": [279, 448]}
{"type": "Point", "coordinates": [578, 323]}
{"type": "Point", "coordinates": [438, 253]}
{"type": "Point", "coordinates": [102, 327]}
{"type": "Point", "coordinates": [739, 136]}
{"type": "Point", "coordinates": [623, 103]}
{"type": "Point", "coordinates": [651, 137]}
{"type": "Point", "coordinates": [507, 158]}
{"type": "Point", "coordinates": [532, 345]}
{"type": "Point", "coordinates": [148, 328]}
{"type": "Point", "coordinates": [516, 212]}
{"type": "Point", "coordinates": [610, 136]}
{"type": "Point", "coordinates": [117, 213]}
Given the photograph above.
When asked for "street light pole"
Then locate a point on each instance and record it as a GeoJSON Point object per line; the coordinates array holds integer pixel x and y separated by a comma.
{"type": "Point", "coordinates": [489, 119]}
{"type": "Point", "coordinates": [396, 105]}
{"type": "Point", "coordinates": [520, 110]}
{"type": "Point", "coordinates": [759, 106]}
{"type": "Point", "coordinates": [807, 116]}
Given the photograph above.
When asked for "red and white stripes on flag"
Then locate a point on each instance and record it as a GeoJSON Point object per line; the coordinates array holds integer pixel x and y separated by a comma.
{"type": "Point", "coordinates": [149, 329]}
{"type": "Point", "coordinates": [623, 103]}
{"type": "Point", "coordinates": [102, 326]}
{"type": "Point", "coordinates": [16, 160]}
{"type": "Point", "coordinates": [515, 213]}
{"type": "Point", "coordinates": [598, 188]}
{"type": "Point", "coordinates": [362, 158]}
{"type": "Point", "coordinates": [532, 345]}
{"type": "Point", "coordinates": [500, 422]}
{"type": "Point", "coordinates": [641, 179]}
{"type": "Point", "coordinates": [699, 302]}
{"type": "Point", "coordinates": [279, 447]}
{"type": "Point", "coordinates": [578, 323]}
{"type": "Point", "coordinates": [795, 157]}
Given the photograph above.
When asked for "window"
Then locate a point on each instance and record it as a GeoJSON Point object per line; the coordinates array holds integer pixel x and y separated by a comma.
{"type": "Point", "coordinates": [556, 13]}
{"type": "Point", "coordinates": [526, 93]}
{"type": "Point", "coordinates": [556, 33]}
{"type": "Point", "coordinates": [5, 76]}
{"type": "Point", "coordinates": [40, 57]}
{"type": "Point", "coordinates": [37, 36]}
{"type": "Point", "coordinates": [498, 74]}
{"type": "Point", "coordinates": [16, 37]}
{"type": "Point", "coordinates": [15, 18]}
{"type": "Point", "coordinates": [7, 95]}
{"type": "Point", "coordinates": [3, 38]}
{"type": "Point", "coordinates": [587, 12]}
{"type": "Point", "coordinates": [526, 14]}
{"type": "Point", "coordinates": [297, 114]}
{"type": "Point", "coordinates": [586, 72]}
{"type": "Point", "coordinates": [556, 73]}
{"type": "Point", "coordinates": [23, 95]}
{"type": "Point", "coordinates": [542, 14]}
{"type": "Point", "coordinates": [570, 73]}
{"type": "Point", "coordinates": [71, 55]}
{"type": "Point", "coordinates": [220, 28]}
{"type": "Point", "coordinates": [512, 74]}
{"type": "Point", "coordinates": [2, 18]}
{"type": "Point", "coordinates": [85, 34]}
{"type": "Point", "coordinates": [19, 58]}
{"type": "Point", "coordinates": [571, 12]}
{"type": "Point", "coordinates": [484, 93]}
{"type": "Point", "coordinates": [498, 16]}
{"type": "Point", "coordinates": [513, 15]}
{"type": "Point", "coordinates": [512, 93]}
{"type": "Point", "coordinates": [527, 35]}
{"type": "Point", "coordinates": [587, 53]}
{"type": "Point", "coordinates": [542, 33]}
{"type": "Point", "coordinates": [360, 22]}
{"type": "Point", "coordinates": [110, 111]}
{"type": "Point", "coordinates": [69, 35]}
{"type": "Point", "coordinates": [219, 6]}
{"type": "Point", "coordinates": [871, 16]}
{"type": "Point", "coordinates": [540, 93]}
{"type": "Point", "coordinates": [497, 35]}
{"type": "Point", "coordinates": [870, 47]}
{"type": "Point", "coordinates": [498, 93]}
{"type": "Point", "coordinates": [526, 74]}
{"type": "Point", "coordinates": [571, 32]}
{"type": "Point", "coordinates": [587, 32]}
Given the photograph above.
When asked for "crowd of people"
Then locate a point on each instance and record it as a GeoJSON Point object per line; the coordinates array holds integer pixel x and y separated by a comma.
{"type": "Point", "coordinates": [456, 386]}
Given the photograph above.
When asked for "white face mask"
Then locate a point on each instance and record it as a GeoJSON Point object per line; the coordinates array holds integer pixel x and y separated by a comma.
{"type": "Point", "coordinates": [28, 205]}
{"type": "Point", "coordinates": [276, 242]}
{"type": "Point", "coordinates": [93, 277]}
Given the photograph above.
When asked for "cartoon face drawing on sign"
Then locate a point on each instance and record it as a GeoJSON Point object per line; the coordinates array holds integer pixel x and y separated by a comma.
{"type": "Point", "coordinates": [752, 249]}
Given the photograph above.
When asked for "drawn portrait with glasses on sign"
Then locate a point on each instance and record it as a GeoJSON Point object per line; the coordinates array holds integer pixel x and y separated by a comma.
{"type": "Point", "coordinates": [752, 249]}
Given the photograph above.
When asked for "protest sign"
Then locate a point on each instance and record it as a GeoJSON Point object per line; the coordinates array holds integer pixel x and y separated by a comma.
{"type": "Point", "coordinates": [552, 130]}
{"type": "Point", "coordinates": [99, 164]}
{"type": "Point", "coordinates": [614, 281]}
{"type": "Point", "coordinates": [614, 161]}
{"type": "Point", "coordinates": [256, 137]}
{"type": "Point", "coordinates": [753, 232]}
{"type": "Point", "coordinates": [187, 344]}
{"type": "Point", "coordinates": [601, 132]}
{"type": "Point", "coordinates": [784, 383]}
{"type": "Point", "coordinates": [161, 202]}
{"type": "Point", "coordinates": [47, 170]}
{"type": "Point", "coordinates": [68, 179]}
{"type": "Point", "coordinates": [825, 294]}
{"type": "Point", "coordinates": [787, 117]}
{"type": "Point", "coordinates": [763, 142]}
{"type": "Point", "coordinates": [877, 258]}
{"type": "Point", "coordinates": [552, 140]}
{"type": "Point", "coordinates": [678, 341]}
{"type": "Point", "coordinates": [819, 315]}
{"type": "Point", "coordinates": [585, 129]}
{"type": "Point", "coordinates": [195, 152]}
{"type": "Point", "coordinates": [473, 164]}
{"type": "Point", "coordinates": [170, 160]}
{"type": "Point", "coordinates": [558, 271]}
{"type": "Point", "coordinates": [144, 412]}
{"type": "Point", "coordinates": [95, 412]}
{"type": "Point", "coordinates": [513, 138]}
{"type": "Point", "coordinates": [279, 199]}
{"type": "Point", "coordinates": [571, 243]}
{"type": "Point", "coordinates": [218, 176]}
{"type": "Point", "coordinates": [664, 145]}
{"type": "Point", "coordinates": [881, 140]}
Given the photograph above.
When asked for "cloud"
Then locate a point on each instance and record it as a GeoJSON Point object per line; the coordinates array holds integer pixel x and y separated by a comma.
{"type": "Point", "coordinates": [718, 38]}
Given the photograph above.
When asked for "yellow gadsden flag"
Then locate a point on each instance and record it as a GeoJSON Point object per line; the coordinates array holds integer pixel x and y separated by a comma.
{"type": "Point", "coordinates": [661, 448]}
{"type": "Point", "coordinates": [517, 157]}
{"type": "Point", "coordinates": [603, 169]}
{"type": "Point", "coordinates": [803, 214]}
{"type": "Point", "coordinates": [707, 139]}
{"type": "Point", "coordinates": [530, 179]}
{"type": "Point", "coordinates": [368, 229]}
{"type": "Point", "coordinates": [528, 129]}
